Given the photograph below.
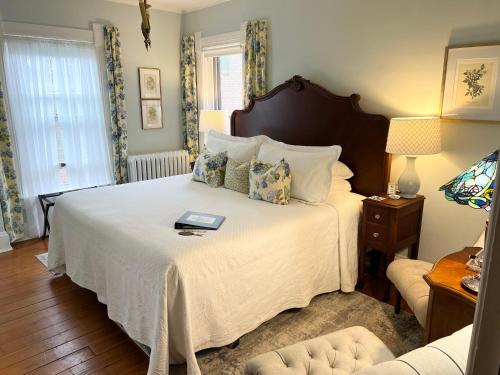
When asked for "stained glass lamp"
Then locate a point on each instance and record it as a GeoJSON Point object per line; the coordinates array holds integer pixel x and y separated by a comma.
{"type": "Point", "coordinates": [474, 188]}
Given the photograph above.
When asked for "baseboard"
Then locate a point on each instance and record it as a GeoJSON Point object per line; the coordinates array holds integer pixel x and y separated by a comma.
{"type": "Point", "coordinates": [4, 242]}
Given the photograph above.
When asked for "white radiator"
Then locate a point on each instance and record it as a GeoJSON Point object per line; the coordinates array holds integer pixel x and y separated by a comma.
{"type": "Point", "coordinates": [160, 164]}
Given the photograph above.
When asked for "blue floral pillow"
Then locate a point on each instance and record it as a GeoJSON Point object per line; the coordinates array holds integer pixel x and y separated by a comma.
{"type": "Point", "coordinates": [210, 168]}
{"type": "Point", "coordinates": [269, 182]}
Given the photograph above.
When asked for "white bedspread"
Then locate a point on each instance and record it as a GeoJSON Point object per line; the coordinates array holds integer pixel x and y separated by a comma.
{"type": "Point", "coordinates": [180, 294]}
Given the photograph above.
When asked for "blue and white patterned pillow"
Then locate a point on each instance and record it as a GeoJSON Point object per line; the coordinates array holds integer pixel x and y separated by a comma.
{"type": "Point", "coordinates": [210, 168]}
{"type": "Point", "coordinates": [269, 182]}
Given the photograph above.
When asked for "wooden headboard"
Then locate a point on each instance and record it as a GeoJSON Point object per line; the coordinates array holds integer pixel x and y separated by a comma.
{"type": "Point", "coordinates": [302, 113]}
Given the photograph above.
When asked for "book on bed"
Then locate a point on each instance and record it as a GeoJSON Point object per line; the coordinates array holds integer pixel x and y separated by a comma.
{"type": "Point", "coordinates": [199, 220]}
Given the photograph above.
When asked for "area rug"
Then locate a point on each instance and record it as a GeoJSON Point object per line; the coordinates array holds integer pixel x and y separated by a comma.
{"type": "Point", "coordinates": [44, 259]}
{"type": "Point", "coordinates": [326, 313]}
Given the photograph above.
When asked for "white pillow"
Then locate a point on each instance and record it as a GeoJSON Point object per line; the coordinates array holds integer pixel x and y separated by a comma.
{"type": "Point", "coordinates": [228, 137]}
{"type": "Point", "coordinates": [339, 184]}
{"type": "Point", "coordinates": [340, 170]}
{"type": "Point", "coordinates": [311, 171]}
{"type": "Point", "coordinates": [238, 148]}
{"type": "Point", "coordinates": [310, 149]}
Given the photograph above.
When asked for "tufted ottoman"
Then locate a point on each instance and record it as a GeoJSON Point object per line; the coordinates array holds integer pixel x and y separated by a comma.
{"type": "Point", "coordinates": [407, 277]}
{"type": "Point", "coordinates": [342, 352]}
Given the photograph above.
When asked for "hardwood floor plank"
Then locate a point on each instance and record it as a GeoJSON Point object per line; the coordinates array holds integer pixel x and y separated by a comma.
{"type": "Point", "coordinates": [101, 361]}
{"type": "Point", "coordinates": [32, 349]}
{"type": "Point", "coordinates": [41, 359]}
{"type": "Point", "coordinates": [37, 298]}
{"type": "Point", "coordinates": [86, 324]}
{"type": "Point", "coordinates": [33, 285]}
{"type": "Point", "coordinates": [132, 360]}
{"type": "Point", "coordinates": [16, 313]}
{"type": "Point", "coordinates": [64, 363]}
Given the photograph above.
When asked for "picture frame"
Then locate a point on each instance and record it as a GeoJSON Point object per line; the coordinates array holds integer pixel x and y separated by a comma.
{"type": "Point", "coordinates": [150, 83]}
{"type": "Point", "coordinates": [152, 116]}
{"type": "Point", "coordinates": [471, 83]}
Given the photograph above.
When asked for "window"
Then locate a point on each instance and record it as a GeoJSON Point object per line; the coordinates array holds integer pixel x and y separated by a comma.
{"type": "Point", "coordinates": [56, 106]}
{"type": "Point", "coordinates": [220, 73]}
{"type": "Point", "coordinates": [229, 82]}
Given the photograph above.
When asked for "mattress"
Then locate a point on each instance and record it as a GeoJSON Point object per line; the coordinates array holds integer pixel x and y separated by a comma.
{"type": "Point", "coordinates": [178, 294]}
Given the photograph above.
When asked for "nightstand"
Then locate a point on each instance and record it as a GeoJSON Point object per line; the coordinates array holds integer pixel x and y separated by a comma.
{"type": "Point", "coordinates": [389, 226]}
{"type": "Point", "coordinates": [451, 307]}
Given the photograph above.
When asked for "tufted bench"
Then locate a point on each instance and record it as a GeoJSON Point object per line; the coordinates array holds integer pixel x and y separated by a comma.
{"type": "Point", "coordinates": [357, 351]}
{"type": "Point", "coordinates": [407, 276]}
{"type": "Point", "coordinates": [339, 353]}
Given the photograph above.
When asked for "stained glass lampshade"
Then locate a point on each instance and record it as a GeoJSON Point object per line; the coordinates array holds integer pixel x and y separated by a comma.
{"type": "Point", "coordinates": [475, 186]}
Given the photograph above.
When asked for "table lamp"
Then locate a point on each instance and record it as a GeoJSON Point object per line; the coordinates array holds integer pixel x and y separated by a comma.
{"type": "Point", "coordinates": [412, 136]}
{"type": "Point", "coordinates": [474, 188]}
{"type": "Point", "coordinates": [211, 120]}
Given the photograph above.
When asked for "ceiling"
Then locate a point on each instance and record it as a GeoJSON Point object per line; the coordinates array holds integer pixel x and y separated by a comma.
{"type": "Point", "coordinates": [176, 6]}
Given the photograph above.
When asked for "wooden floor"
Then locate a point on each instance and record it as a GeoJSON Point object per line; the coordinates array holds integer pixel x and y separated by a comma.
{"type": "Point", "coordinates": [51, 326]}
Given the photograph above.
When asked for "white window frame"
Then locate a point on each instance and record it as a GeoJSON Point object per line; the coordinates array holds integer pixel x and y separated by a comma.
{"type": "Point", "coordinates": [47, 32]}
{"type": "Point", "coordinates": [207, 48]}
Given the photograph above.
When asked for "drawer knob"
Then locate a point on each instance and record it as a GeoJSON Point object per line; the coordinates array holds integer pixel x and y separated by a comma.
{"type": "Point", "coordinates": [377, 216]}
{"type": "Point", "coordinates": [376, 235]}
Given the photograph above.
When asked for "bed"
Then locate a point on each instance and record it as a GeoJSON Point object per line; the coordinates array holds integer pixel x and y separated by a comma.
{"type": "Point", "coordinates": [178, 295]}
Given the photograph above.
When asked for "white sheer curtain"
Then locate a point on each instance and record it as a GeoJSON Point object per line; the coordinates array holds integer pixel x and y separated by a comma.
{"type": "Point", "coordinates": [57, 115]}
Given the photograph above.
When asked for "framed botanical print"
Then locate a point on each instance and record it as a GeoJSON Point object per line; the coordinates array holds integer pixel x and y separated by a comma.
{"type": "Point", "coordinates": [151, 114]}
{"type": "Point", "coordinates": [150, 83]}
{"type": "Point", "coordinates": [471, 83]}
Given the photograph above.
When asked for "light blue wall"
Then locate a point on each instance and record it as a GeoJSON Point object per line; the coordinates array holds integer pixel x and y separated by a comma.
{"type": "Point", "coordinates": [164, 54]}
{"type": "Point", "coordinates": [390, 52]}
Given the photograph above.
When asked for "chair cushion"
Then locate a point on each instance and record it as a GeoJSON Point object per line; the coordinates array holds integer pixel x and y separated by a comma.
{"type": "Point", "coordinates": [342, 352]}
{"type": "Point", "coordinates": [407, 277]}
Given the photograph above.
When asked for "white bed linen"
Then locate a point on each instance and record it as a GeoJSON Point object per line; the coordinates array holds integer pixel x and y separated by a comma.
{"type": "Point", "coordinates": [180, 294]}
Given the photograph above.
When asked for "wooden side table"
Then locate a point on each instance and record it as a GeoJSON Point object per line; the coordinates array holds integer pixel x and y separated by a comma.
{"type": "Point", "coordinates": [450, 307]}
{"type": "Point", "coordinates": [390, 226]}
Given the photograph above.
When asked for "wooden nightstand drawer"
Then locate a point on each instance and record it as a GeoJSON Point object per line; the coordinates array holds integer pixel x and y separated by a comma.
{"type": "Point", "coordinates": [377, 215]}
{"type": "Point", "coordinates": [377, 235]}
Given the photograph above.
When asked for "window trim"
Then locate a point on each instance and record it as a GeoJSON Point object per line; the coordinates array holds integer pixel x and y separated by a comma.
{"type": "Point", "coordinates": [47, 32]}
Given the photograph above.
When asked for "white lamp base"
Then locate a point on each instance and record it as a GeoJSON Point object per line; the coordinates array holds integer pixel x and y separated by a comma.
{"type": "Point", "coordinates": [409, 183]}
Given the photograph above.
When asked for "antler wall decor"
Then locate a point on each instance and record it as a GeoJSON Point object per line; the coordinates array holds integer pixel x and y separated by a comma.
{"type": "Point", "coordinates": [145, 26]}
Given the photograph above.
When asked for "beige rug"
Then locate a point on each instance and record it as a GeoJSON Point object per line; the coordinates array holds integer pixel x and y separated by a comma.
{"type": "Point", "coordinates": [326, 313]}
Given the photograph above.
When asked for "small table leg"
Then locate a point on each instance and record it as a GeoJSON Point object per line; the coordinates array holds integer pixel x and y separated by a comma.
{"type": "Point", "coordinates": [389, 257]}
{"type": "Point", "coordinates": [361, 267]}
{"type": "Point", "coordinates": [45, 221]}
{"type": "Point", "coordinates": [413, 253]}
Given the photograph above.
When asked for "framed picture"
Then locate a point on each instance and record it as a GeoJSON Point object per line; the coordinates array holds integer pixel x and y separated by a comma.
{"type": "Point", "coordinates": [471, 83]}
{"type": "Point", "coordinates": [151, 114]}
{"type": "Point", "coordinates": [150, 83]}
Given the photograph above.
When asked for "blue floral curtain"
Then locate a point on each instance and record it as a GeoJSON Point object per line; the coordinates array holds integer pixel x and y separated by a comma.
{"type": "Point", "coordinates": [189, 96]}
{"type": "Point", "coordinates": [255, 59]}
{"type": "Point", "coordinates": [12, 208]}
{"type": "Point", "coordinates": [116, 91]}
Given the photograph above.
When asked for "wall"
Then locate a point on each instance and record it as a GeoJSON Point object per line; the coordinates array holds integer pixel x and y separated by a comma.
{"type": "Point", "coordinates": [391, 52]}
{"type": "Point", "coordinates": [165, 36]}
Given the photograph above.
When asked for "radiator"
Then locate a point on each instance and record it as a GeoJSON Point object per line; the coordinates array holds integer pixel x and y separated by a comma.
{"type": "Point", "coordinates": [160, 164]}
